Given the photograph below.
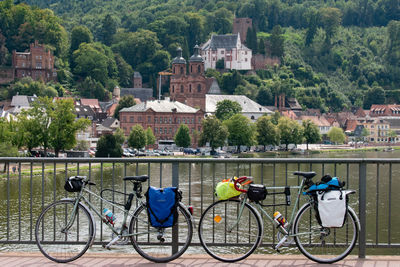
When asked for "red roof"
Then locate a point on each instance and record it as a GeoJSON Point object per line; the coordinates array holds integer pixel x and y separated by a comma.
{"type": "Point", "coordinates": [93, 103]}
{"type": "Point", "coordinates": [351, 125]}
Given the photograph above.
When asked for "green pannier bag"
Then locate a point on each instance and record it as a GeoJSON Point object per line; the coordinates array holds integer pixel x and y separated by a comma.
{"type": "Point", "coordinates": [226, 190]}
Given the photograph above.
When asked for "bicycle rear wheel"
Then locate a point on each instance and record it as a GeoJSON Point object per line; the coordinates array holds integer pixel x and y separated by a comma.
{"type": "Point", "coordinates": [160, 244]}
{"type": "Point", "coordinates": [225, 237]}
{"type": "Point", "coordinates": [57, 243]}
{"type": "Point", "coordinates": [322, 244]}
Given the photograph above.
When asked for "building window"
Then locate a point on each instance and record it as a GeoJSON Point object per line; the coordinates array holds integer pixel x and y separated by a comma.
{"type": "Point", "coordinates": [181, 88]}
{"type": "Point", "coordinates": [190, 88]}
{"type": "Point", "coordinates": [192, 120]}
{"type": "Point", "coordinates": [165, 120]}
{"type": "Point", "coordinates": [165, 130]}
{"type": "Point", "coordinates": [245, 59]}
{"type": "Point", "coordinates": [170, 120]}
{"type": "Point", "coordinates": [245, 54]}
{"type": "Point", "coordinates": [252, 117]}
{"type": "Point", "coordinates": [170, 130]}
{"type": "Point", "coordinates": [222, 52]}
{"type": "Point", "coordinates": [199, 88]}
{"type": "Point", "coordinates": [179, 121]}
{"type": "Point", "coordinates": [173, 88]}
{"type": "Point", "coordinates": [191, 68]}
{"type": "Point", "coordinates": [155, 120]}
{"type": "Point", "coordinates": [198, 69]}
{"type": "Point", "coordinates": [38, 65]}
{"type": "Point", "coordinates": [148, 119]}
{"type": "Point", "coordinates": [131, 119]}
{"type": "Point", "coordinates": [199, 120]}
{"type": "Point", "coordinates": [140, 118]}
{"type": "Point", "coordinates": [181, 70]}
{"type": "Point", "coordinates": [156, 130]}
{"type": "Point", "coordinates": [183, 120]}
{"type": "Point", "coordinates": [199, 128]}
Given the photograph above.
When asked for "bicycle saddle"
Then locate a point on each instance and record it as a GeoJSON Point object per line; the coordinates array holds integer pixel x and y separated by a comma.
{"type": "Point", "coordinates": [140, 178]}
{"type": "Point", "coordinates": [307, 175]}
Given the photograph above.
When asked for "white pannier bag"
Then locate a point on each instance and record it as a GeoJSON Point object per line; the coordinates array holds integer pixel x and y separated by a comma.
{"type": "Point", "coordinates": [332, 208]}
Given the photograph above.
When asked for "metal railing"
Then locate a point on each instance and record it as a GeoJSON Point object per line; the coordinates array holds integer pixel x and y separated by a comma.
{"type": "Point", "coordinates": [29, 184]}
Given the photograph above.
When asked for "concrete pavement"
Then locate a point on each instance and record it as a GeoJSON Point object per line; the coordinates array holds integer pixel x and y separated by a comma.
{"type": "Point", "coordinates": [114, 260]}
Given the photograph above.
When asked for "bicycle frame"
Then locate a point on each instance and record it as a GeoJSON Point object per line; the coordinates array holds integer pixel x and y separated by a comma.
{"type": "Point", "coordinates": [261, 209]}
{"type": "Point", "coordinates": [81, 198]}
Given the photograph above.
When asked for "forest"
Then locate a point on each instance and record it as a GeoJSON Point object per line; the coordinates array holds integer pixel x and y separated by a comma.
{"type": "Point", "coordinates": [334, 54]}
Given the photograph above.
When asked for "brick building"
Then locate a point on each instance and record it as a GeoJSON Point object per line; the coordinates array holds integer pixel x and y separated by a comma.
{"type": "Point", "coordinates": [37, 63]}
{"type": "Point", "coordinates": [241, 26]}
{"type": "Point", "coordinates": [189, 88]}
{"type": "Point", "coordinates": [163, 116]}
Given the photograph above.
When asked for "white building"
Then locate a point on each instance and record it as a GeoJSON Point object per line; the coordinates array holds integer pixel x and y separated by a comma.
{"type": "Point", "coordinates": [250, 109]}
{"type": "Point", "coordinates": [228, 47]}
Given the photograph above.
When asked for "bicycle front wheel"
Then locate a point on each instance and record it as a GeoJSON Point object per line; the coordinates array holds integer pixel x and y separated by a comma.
{"type": "Point", "coordinates": [160, 244]}
{"type": "Point", "coordinates": [55, 240]}
{"type": "Point", "coordinates": [322, 244]}
{"type": "Point", "coordinates": [228, 235]}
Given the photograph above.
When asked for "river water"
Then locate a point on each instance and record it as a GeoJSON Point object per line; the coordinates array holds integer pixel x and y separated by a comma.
{"type": "Point", "coordinates": [199, 193]}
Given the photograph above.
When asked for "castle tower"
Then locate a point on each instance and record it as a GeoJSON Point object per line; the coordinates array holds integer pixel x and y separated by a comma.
{"type": "Point", "coordinates": [177, 88]}
{"type": "Point", "coordinates": [196, 63]}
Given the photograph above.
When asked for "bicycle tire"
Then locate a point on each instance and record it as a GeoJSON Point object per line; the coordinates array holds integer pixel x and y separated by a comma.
{"type": "Point", "coordinates": [327, 245]}
{"type": "Point", "coordinates": [56, 245]}
{"type": "Point", "coordinates": [233, 245]}
{"type": "Point", "coordinates": [149, 246]}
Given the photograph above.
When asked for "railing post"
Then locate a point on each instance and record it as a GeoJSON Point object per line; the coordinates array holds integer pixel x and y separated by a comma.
{"type": "Point", "coordinates": [175, 229]}
{"type": "Point", "coordinates": [362, 195]}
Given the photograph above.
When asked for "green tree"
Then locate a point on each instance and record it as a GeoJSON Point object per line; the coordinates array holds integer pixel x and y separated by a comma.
{"type": "Point", "coordinates": [96, 61]}
{"type": "Point", "coordinates": [39, 118]}
{"type": "Point", "coordinates": [64, 126]}
{"type": "Point", "coordinates": [126, 101]}
{"type": "Point", "coordinates": [312, 26]}
{"type": "Point", "coordinates": [226, 109]}
{"type": "Point", "coordinates": [107, 146]}
{"type": "Point", "coordinates": [375, 95]}
{"type": "Point", "coordinates": [137, 137]}
{"type": "Point", "coordinates": [80, 34]}
{"type": "Point", "coordinates": [182, 136]}
{"type": "Point", "coordinates": [82, 145]}
{"type": "Point", "coordinates": [241, 131]}
{"type": "Point", "coordinates": [150, 138]}
{"type": "Point", "coordinates": [265, 97]}
{"type": "Point", "coordinates": [311, 132]}
{"type": "Point", "coordinates": [119, 136]}
{"type": "Point", "coordinates": [393, 43]}
{"type": "Point", "coordinates": [125, 71]}
{"type": "Point", "coordinates": [290, 131]}
{"type": "Point", "coordinates": [214, 132]}
{"type": "Point", "coordinates": [90, 88]}
{"type": "Point", "coordinates": [267, 131]}
{"type": "Point", "coordinates": [336, 135]}
{"type": "Point", "coordinates": [231, 80]}
{"type": "Point", "coordinates": [277, 40]}
{"type": "Point", "coordinates": [392, 136]}
{"type": "Point", "coordinates": [331, 19]}
{"type": "Point", "coordinates": [108, 29]}
{"type": "Point", "coordinates": [220, 64]}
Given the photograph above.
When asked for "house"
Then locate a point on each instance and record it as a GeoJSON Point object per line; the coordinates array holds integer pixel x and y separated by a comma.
{"type": "Point", "coordinates": [228, 48]}
{"type": "Point", "coordinates": [108, 126]}
{"type": "Point", "coordinates": [191, 87]}
{"type": "Point", "coordinates": [37, 63]}
{"type": "Point", "coordinates": [385, 111]}
{"type": "Point", "coordinates": [378, 129]}
{"type": "Point", "coordinates": [18, 103]}
{"type": "Point", "coordinates": [163, 116]}
{"type": "Point", "coordinates": [250, 109]}
{"type": "Point", "coordinates": [322, 123]}
{"type": "Point", "coordinates": [137, 91]}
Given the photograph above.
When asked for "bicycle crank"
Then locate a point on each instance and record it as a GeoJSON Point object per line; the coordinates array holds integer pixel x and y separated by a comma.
{"type": "Point", "coordinates": [288, 240]}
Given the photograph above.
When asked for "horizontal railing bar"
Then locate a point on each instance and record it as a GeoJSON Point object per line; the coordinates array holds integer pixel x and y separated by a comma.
{"type": "Point", "coordinates": [203, 160]}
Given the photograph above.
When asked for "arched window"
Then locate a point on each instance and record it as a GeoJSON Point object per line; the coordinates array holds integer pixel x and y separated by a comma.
{"type": "Point", "coordinates": [198, 69]}
{"type": "Point", "coordinates": [252, 117]}
{"type": "Point", "coordinates": [181, 88]}
{"type": "Point", "coordinates": [174, 70]}
{"type": "Point", "coordinates": [199, 88]}
{"type": "Point", "coordinates": [173, 88]}
{"type": "Point", "coordinates": [181, 70]}
{"type": "Point", "coordinates": [190, 88]}
{"type": "Point", "coordinates": [191, 69]}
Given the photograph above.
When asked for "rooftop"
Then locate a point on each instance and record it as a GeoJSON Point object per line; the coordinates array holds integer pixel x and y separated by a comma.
{"type": "Point", "coordinates": [161, 106]}
{"type": "Point", "coordinates": [248, 105]}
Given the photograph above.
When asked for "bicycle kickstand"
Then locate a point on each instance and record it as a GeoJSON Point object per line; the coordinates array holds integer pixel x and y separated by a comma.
{"type": "Point", "coordinates": [111, 243]}
{"type": "Point", "coordinates": [280, 243]}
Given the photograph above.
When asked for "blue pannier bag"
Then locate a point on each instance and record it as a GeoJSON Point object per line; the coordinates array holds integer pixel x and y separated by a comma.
{"type": "Point", "coordinates": [162, 206]}
{"type": "Point", "coordinates": [327, 183]}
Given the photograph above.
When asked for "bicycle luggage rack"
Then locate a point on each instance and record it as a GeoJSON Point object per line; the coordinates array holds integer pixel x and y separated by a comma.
{"type": "Point", "coordinates": [286, 193]}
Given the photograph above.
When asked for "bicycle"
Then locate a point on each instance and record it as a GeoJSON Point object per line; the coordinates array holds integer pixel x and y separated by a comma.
{"type": "Point", "coordinates": [66, 228]}
{"type": "Point", "coordinates": [230, 230]}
